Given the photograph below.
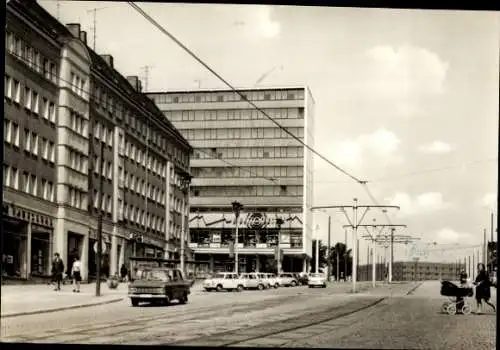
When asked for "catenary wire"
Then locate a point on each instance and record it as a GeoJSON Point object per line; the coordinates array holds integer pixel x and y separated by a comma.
{"type": "Point", "coordinates": [243, 97]}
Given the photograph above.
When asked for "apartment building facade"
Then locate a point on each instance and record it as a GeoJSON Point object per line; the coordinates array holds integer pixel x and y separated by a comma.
{"type": "Point", "coordinates": [63, 104]}
{"type": "Point", "coordinates": [240, 155]}
{"type": "Point", "coordinates": [413, 271]}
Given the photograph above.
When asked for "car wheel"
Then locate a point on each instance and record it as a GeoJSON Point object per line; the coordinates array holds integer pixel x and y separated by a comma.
{"type": "Point", "coordinates": [219, 288]}
{"type": "Point", "coordinates": [260, 287]}
{"type": "Point", "coordinates": [239, 288]}
{"type": "Point", "coordinates": [310, 286]}
{"type": "Point", "coordinates": [276, 285]}
{"type": "Point", "coordinates": [184, 299]}
{"type": "Point", "coordinates": [135, 301]}
{"type": "Point", "coordinates": [324, 285]}
{"type": "Point", "coordinates": [294, 283]}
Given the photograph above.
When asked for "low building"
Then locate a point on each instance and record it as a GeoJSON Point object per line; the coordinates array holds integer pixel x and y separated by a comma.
{"type": "Point", "coordinates": [412, 271]}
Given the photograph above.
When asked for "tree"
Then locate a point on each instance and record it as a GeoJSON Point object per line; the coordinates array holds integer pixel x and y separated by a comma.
{"type": "Point", "coordinates": [339, 249]}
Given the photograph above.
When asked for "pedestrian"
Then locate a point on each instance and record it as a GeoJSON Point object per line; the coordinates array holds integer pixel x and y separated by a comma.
{"type": "Point", "coordinates": [482, 284]}
{"type": "Point", "coordinates": [124, 273]}
{"type": "Point", "coordinates": [76, 274]}
{"type": "Point", "coordinates": [463, 284]}
{"type": "Point", "coordinates": [57, 271]}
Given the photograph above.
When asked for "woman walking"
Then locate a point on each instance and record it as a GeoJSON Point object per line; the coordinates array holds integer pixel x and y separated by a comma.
{"type": "Point", "coordinates": [77, 277]}
{"type": "Point", "coordinates": [482, 284]}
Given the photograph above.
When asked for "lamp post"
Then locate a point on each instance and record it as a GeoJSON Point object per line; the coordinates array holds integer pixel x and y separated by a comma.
{"type": "Point", "coordinates": [186, 180]}
{"type": "Point", "coordinates": [237, 206]}
{"type": "Point", "coordinates": [279, 222]}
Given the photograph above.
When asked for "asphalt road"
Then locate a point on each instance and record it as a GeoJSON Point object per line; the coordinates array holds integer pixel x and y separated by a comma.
{"type": "Point", "coordinates": [286, 317]}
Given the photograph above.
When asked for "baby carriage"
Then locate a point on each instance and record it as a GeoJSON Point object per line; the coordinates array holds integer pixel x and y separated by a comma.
{"type": "Point", "coordinates": [457, 298]}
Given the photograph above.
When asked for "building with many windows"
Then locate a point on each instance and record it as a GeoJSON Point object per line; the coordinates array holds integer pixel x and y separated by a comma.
{"type": "Point", "coordinates": [65, 105]}
{"type": "Point", "coordinates": [241, 155]}
{"type": "Point", "coordinates": [413, 271]}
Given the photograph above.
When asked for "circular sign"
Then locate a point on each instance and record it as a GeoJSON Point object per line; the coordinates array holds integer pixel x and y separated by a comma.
{"type": "Point", "coordinates": [103, 247]}
{"type": "Point", "coordinates": [256, 220]}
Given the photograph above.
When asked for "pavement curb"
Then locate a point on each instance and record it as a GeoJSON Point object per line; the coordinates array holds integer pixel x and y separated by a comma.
{"type": "Point", "coordinates": [410, 292]}
{"type": "Point", "coordinates": [80, 306]}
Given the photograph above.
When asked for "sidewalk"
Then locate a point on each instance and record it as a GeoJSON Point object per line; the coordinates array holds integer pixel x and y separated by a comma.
{"type": "Point", "coordinates": [18, 300]}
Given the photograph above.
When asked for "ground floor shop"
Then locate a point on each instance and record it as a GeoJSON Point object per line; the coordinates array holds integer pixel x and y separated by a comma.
{"type": "Point", "coordinates": [253, 263]}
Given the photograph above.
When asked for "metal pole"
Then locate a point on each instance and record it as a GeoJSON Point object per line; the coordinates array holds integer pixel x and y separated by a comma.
{"type": "Point", "coordinates": [279, 222]}
{"type": "Point", "coordinates": [99, 224]}
{"type": "Point", "coordinates": [355, 245]}
{"type": "Point", "coordinates": [470, 271]}
{"type": "Point", "coordinates": [374, 265]}
{"type": "Point", "coordinates": [391, 257]}
{"type": "Point", "coordinates": [485, 253]}
{"type": "Point", "coordinates": [317, 255]}
{"type": "Point", "coordinates": [492, 224]}
{"type": "Point", "coordinates": [473, 264]}
{"type": "Point", "coordinates": [367, 262]}
{"type": "Point", "coordinates": [329, 255]}
{"type": "Point", "coordinates": [345, 255]}
{"type": "Point", "coordinates": [236, 257]}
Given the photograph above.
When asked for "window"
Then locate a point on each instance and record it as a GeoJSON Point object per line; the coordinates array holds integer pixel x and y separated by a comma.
{"type": "Point", "coordinates": [34, 187]}
{"type": "Point", "coordinates": [14, 178]}
{"type": "Point", "coordinates": [27, 140]}
{"type": "Point", "coordinates": [8, 87]}
{"type": "Point", "coordinates": [26, 182]}
{"type": "Point", "coordinates": [45, 193]}
{"type": "Point", "coordinates": [35, 101]}
{"type": "Point", "coordinates": [34, 144]}
{"type": "Point", "coordinates": [52, 112]}
{"type": "Point", "coordinates": [52, 152]}
{"type": "Point", "coordinates": [17, 91]}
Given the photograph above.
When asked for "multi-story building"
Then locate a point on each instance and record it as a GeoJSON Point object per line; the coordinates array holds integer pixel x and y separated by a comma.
{"type": "Point", "coordinates": [65, 106]}
{"type": "Point", "coordinates": [241, 155]}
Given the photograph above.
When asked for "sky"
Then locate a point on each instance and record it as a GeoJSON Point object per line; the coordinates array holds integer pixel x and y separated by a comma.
{"type": "Point", "coordinates": [405, 99]}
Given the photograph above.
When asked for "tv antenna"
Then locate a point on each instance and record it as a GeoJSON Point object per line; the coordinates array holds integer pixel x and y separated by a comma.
{"type": "Point", "coordinates": [94, 21]}
{"type": "Point", "coordinates": [146, 76]}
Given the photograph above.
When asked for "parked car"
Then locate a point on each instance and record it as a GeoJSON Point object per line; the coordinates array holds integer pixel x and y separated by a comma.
{"type": "Point", "coordinates": [253, 281]}
{"type": "Point", "coordinates": [273, 280]}
{"type": "Point", "coordinates": [316, 280]}
{"type": "Point", "coordinates": [223, 281]}
{"type": "Point", "coordinates": [287, 279]}
{"type": "Point", "coordinates": [264, 278]}
{"type": "Point", "coordinates": [159, 285]}
{"type": "Point", "coordinates": [302, 278]}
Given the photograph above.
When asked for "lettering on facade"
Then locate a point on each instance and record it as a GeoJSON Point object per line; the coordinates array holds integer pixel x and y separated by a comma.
{"type": "Point", "coordinates": [256, 220]}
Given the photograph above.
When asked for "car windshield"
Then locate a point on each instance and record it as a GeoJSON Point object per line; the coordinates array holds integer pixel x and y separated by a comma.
{"type": "Point", "coordinates": [316, 275]}
{"type": "Point", "coordinates": [155, 275]}
{"type": "Point", "coordinates": [218, 275]}
{"type": "Point", "coordinates": [285, 275]}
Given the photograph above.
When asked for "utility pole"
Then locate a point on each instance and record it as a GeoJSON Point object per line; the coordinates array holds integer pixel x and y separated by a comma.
{"type": "Point", "coordinates": [58, 7]}
{"type": "Point", "coordinates": [279, 222]}
{"type": "Point", "coordinates": [317, 255]}
{"type": "Point", "coordinates": [99, 223]}
{"type": "Point", "coordinates": [375, 237]}
{"type": "Point", "coordinates": [329, 254]}
{"type": "Point", "coordinates": [354, 223]}
{"type": "Point", "coordinates": [236, 210]}
{"type": "Point", "coordinates": [94, 26]}
{"type": "Point", "coordinates": [491, 226]}
{"type": "Point", "coordinates": [485, 247]}
{"type": "Point", "coordinates": [345, 255]}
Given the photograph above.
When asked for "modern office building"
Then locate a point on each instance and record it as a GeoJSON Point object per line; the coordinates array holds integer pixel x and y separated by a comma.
{"type": "Point", "coordinates": [65, 105]}
{"type": "Point", "coordinates": [241, 155]}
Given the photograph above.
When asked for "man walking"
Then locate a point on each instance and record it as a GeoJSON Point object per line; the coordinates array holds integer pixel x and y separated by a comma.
{"type": "Point", "coordinates": [57, 271]}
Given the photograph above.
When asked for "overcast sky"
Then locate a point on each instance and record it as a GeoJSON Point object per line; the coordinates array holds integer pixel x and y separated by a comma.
{"type": "Point", "coordinates": [407, 99]}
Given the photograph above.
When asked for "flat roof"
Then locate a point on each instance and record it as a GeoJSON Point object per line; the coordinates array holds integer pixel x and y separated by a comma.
{"type": "Point", "coordinates": [257, 88]}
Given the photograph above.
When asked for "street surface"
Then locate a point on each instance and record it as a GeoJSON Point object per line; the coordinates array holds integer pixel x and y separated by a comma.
{"type": "Point", "coordinates": [286, 317]}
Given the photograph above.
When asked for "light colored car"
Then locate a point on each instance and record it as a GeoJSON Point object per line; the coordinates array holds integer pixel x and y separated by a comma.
{"type": "Point", "coordinates": [252, 281]}
{"type": "Point", "coordinates": [224, 281]}
{"type": "Point", "coordinates": [273, 280]}
{"type": "Point", "coordinates": [287, 279]}
{"type": "Point", "coordinates": [316, 280]}
{"type": "Point", "coordinates": [264, 278]}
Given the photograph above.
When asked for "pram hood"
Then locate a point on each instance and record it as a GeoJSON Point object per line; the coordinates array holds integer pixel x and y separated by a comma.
{"type": "Point", "coordinates": [450, 289]}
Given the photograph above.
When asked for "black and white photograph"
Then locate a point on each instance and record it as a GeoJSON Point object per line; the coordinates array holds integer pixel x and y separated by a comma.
{"type": "Point", "coordinates": [249, 175]}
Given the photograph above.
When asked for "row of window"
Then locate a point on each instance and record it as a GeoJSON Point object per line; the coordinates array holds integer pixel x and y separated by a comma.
{"type": "Point", "coordinates": [78, 123]}
{"type": "Point", "coordinates": [235, 114]}
{"type": "Point", "coordinates": [249, 172]}
{"type": "Point", "coordinates": [241, 133]}
{"type": "Point", "coordinates": [134, 123]}
{"type": "Point", "coordinates": [31, 57]}
{"type": "Point", "coordinates": [31, 99]}
{"type": "Point", "coordinates": [228, 96]}
{"type": "Point", "coordinates": [102, 133]}
{"type": "Point", "coordinates": [78, 84]}
{"type": "Point", "coordinates": [107, 168]}
{"type": "Point", "coordinates": [140, 217]}
{"type": "Point", "coordinates": [29, 183]}
{"type": "Point", "coordinates": [31, 141]}
{"type": "Point", "coordinates": [249, 152]}
{"type": "Point", "coordinates": [78, 161]}
{"type": "Point", "coordinates": [77, 198]}
{"type": "Point", "coordinates": [137, 185]}
{"type": "Point", "coordinates": [107, 202]}
{"type": "Point", "coordinates": [246, 191]}
{"type": "Point", "coordinates": [141, 157]}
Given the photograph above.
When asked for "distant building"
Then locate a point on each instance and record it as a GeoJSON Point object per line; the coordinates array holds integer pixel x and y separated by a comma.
{"type": "Point", "coordinates": [413, 271]}
{"type": "Point", "coordinates": [240, 155]}
{"type": "Point", "coordinates": [62, 102]}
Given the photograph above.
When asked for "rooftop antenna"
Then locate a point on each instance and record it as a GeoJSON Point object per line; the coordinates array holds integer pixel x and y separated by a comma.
{"type": "Point", "coordinates": [94, 26]}
{"type": "Point", "coordinates": [266, 74]}
{"type": "Point", "coordinates": [58, 7]}
{"type": "Point", "coordinates": [146, 76]}
{"type": "Point", "coordinates": [198, 81]}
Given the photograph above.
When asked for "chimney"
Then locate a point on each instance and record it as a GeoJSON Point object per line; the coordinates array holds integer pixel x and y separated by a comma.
{"type": "Point", "coordinates": [83, 37]}
{"type": "Point", "coordinates": [108, 59]}
{"type": "Point", "coordinates": [139, 86]}
{"type": "Point", "coordinates": [134, 81]}
{"type": "Point", "coordinates": [74, 29]}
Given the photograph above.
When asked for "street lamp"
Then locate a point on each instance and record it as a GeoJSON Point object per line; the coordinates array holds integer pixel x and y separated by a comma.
{"type": "Point", "coordinates": [237, 206]}
{"type": "Point", "coordinates": [279, 222]}
{"type": "Point", "coordinates": [185, 182]}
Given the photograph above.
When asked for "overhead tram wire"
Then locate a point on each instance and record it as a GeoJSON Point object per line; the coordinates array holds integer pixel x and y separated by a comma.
{"type": "Point", "coordinates": [243, 97]}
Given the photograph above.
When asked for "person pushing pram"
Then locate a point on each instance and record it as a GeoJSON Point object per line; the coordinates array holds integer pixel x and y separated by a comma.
{"type": "Point", "coordinates": [457, 295]}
